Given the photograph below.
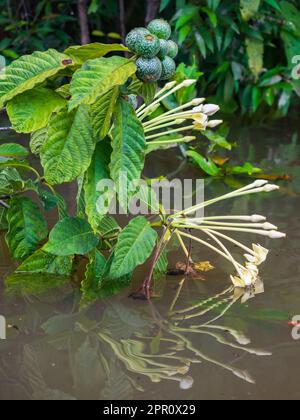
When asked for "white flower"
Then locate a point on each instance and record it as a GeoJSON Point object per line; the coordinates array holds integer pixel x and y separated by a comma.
{"type": "Point", "coordinates": [210, 109]}
{"type": "Point", "coordinates": [260, 255]}
{"type": "Point", "coordinates": [246, 277]}
{"type": "Point", "coordinates": [214, 123]}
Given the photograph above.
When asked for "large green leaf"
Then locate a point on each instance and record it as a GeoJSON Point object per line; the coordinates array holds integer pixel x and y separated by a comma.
{"type": "Point", "coordinates": [37, 139]}
{"type": "Point", "coordinates": [29, 71]}
{"type": "Point", "coordinates": [27, 227]}
{"type": "Point", "coordinates": [129, 146]}
{"type": "Point", "coordinates": [255, 52]}
{"type": "Point", "coordinates": [42, 262]}
{"type": "Point", "coordinates": [97, 171]}
{"type": "Point", "coordinates": [12, 151]}
{"type": "Point", "coordinates": [70, 236]}
{"type": "Point", "coordinates": [135, 245]}
{"type": "Point", "coordinates": [69, 146]}
{"type": "Point", "coordinates": [32, 110]}
{"type": "Point", "coordinates": [96, 77]}
{"type": "Point", "coordinates": [102, 111]}
{"type": "Point", "coordinates": [249, 8]}
{"type": "Point", "coordinates": [82, 53]}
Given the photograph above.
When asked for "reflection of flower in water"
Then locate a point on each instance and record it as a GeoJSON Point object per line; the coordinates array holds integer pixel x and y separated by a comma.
{"type": "Point", "coordinates": [176, 352]}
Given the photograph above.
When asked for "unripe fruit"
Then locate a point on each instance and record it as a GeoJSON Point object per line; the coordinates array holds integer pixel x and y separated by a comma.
{"type": "Point", "coordinates": [149, 69]}
{"type": "Point", "coordinates": [168, 68]}
{"type": "Point", "coordinates": [164, 49]}
{"type": "Point", "coordinates": [132, 99]}
{"type": "Point", "coordinates": [173, 49]}
{"type": "Point", "coordinates": [133, 36]}
{"type": "Point", "coordinates": [147, 45]}
{"type": "Point", "coordinates": [160, 28]}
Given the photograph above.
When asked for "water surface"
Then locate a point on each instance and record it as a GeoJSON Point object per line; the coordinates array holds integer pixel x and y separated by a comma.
{"type": "Point", "coordinates": [126, 349]}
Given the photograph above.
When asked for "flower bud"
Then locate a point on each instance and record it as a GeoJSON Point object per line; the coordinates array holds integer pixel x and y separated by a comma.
{"type": "Point", "coordinates": [210, 109]}
{"type": "Point", "coordinates": [274, 234]}
{"type": "Point", "coordinates": [214, 123]}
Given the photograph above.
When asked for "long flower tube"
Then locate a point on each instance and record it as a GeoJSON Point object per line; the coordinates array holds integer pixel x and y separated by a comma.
{"type": "Point", "coordinates": [218, 228]}
{"type": "Point", "coordinates": [256, 187]}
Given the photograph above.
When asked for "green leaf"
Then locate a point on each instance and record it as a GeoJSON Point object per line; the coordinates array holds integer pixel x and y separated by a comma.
{"type": "Point", "coordinates": [70, 236]}
{"type": "Point", "coordinates": [217, 139]}
{"type": "Point", "coordinates": [42, 262]}
{"type": "Point", "coordinates": [247, 169]}
{"type": "Point", "coordinates": [97, 171]}
{"type": "Point", "coordinates": [129, 147]}
{"type": "Point", "coordinates": [10, 181]}
{"type": "Point", "coordinates": [291, 14]}
{"type": "Point", "coordinates": [96, 77]}
{"type": "Point", "coordinates": [148, 92]}
{"type": "Point", "coordinates": [27, 227]}
{"type": "Point", "coordinates": [108, 227]}
{"type": "Point", "coordinates": [12, 151]}
{"type": "Point", "coordinates": [29, 71]}
{"type": "Point", "coordinates": [31, 110]}
{"type": "Point", "coordinates": [102, 111]}
{"type": "Point", "coordinates": [69, 146]}
{"type": "Point", "coordinates": [93, 274]}
{"type": "Point", "coordinates": [164, 4]}
{"type": "Point", "coordinates": [249, 8]}
{"type": "Point", "coordinates": [82, 53]}
{"type": "Point", "coordinates": [274, 3]}
{"type": "Point", "coordinates": [3, 218]}
{"type": "Point", "coordinates": [135, 245]}
{"type": "Point", "coordinates": [201, 44]}
{"type": "Point", "coordinates": [37, 139]}
{"type": "Point", "coordinates": [207, 165]}
{"type": "Point", "coordinates": [255, 52]}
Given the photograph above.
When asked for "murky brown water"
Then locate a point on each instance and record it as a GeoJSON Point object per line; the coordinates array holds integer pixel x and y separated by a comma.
{"type": "Point", "coordinates": [125, 349]}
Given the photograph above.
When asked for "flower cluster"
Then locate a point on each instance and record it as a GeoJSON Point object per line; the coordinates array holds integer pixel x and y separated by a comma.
{"type": "Point", "coordinates": [247, 274]}
{"type": "Point", "coordinates": [194, 114]}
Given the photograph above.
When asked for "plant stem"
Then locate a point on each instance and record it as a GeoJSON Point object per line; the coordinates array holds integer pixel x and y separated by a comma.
{"type": "Point", "coordinates": [147, 283]}
{"type": "Point", "coordinates": [3, 204]}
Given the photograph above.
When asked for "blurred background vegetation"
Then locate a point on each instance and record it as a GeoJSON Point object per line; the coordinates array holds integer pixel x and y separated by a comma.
{"type": "Point", "coordinates": [242, 49]}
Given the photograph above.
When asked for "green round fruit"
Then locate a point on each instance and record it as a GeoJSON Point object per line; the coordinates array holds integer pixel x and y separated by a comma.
{"type": "Point", "coordinates": [147, 45]}
{"type": "Point", "coordinates": [173, 49]}
{"type": "Point", "coordinates": [132, 99]}
{"type": "Point", "coordinates": [164, 49]}
{"type": "Point", "coordinates": [160, 28]}
{"type": "Point", "coordinates": [149, 69]}
{"type": "Point", "coordinates": [132, 37]}
{"type": "Point", "coordinates": [168, 68]}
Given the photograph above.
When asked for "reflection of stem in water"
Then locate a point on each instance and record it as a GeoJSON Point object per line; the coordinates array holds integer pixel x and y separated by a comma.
{"type": "Point", "coordinates": [181, 283]}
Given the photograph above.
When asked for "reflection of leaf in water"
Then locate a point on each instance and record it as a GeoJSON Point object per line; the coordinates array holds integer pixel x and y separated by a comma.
{"type": "Point", "coordinates": [118, 385]}
{"type": "Point", "coordinates": [32, 284]}
{"type": "Point", "coordinates": [122, 321]}
{"type": "Point", "coordinates": [31, 373]}
{"type": "Point", "coordinates": [87, 369]}
{"type": "Point", "coordinates": [61, 322]}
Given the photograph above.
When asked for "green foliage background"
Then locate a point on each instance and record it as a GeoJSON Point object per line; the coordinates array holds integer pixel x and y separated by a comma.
{"type": "Point", "coordinates": [245, 48]}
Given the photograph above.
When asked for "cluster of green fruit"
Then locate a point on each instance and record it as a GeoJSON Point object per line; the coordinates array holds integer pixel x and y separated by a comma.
{"type": "Point", "coordinates": [156, 52]}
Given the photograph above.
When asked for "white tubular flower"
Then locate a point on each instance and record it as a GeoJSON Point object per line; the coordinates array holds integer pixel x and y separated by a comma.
{"type": "Point", "coordinates": [210, 109]}
{"type": "Point", "coordinates": [259, 255]}
{"type": "Point", "coordinates": [214, 123]}
{"type": "Point", "coordinates": [246, 278]}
